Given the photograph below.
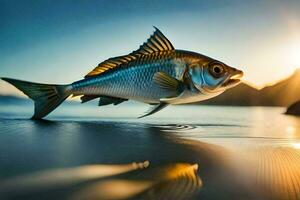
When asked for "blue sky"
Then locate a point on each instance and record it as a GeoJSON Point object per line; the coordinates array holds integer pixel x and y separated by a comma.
{"type": "Point", "coordinates": [60, 42]}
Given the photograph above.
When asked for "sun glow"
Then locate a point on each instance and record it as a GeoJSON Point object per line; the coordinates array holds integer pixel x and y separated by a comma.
{"type": "Point", "coordinates": [294, 55]}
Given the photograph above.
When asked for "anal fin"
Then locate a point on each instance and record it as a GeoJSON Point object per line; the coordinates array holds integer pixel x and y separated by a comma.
{"type": "Point", "coordinates": [104, 100]}
{"type": "Point", "coordinates": [86, 98]}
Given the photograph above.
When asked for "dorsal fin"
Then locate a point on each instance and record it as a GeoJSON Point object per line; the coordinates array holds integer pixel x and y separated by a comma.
{"type": "Point", "coordinates": [156, 43]}
{"type": "Point", "coordinates": [110, 64]}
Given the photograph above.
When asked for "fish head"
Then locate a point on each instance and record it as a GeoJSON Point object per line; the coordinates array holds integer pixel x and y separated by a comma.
{"type": "Point", "coordinates": [212, 76]}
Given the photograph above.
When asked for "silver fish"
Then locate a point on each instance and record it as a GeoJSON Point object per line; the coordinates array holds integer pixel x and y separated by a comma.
{"type": "Point", "coordinates": [156, 73]}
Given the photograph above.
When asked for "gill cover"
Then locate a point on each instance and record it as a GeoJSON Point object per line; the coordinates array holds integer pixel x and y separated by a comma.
{"type": "Point", "coordinates": [209, 77]}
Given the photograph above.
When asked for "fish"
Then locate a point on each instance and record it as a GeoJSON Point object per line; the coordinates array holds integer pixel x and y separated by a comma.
{"type": "Point", "coordinates": [156, 74]}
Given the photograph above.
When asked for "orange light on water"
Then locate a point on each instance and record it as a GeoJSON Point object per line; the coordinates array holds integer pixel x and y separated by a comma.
{"type": "Point", "coordinates": [290, 129]}
{"type": "Point", "coordinates": [296, 145]}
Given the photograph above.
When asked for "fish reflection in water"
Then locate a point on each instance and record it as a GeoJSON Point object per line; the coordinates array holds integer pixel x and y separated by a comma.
{"type": "Point", "coordinates": [61, 177]}
{"type": "Point", "coordinates": [173, 181]}
{"type": "Point", "coordinates": [238, 158]}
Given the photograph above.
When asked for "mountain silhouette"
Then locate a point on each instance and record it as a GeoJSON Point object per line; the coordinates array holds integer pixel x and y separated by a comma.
{"type": "Point", "coordinates": [283, 93]}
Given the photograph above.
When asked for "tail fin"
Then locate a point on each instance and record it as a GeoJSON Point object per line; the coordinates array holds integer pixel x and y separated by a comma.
{"type": "Point", "coordinates": [46, 97]}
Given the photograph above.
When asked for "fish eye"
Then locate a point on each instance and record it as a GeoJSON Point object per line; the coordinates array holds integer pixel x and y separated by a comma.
{"type": "Point", "coordinates": [216, 70]}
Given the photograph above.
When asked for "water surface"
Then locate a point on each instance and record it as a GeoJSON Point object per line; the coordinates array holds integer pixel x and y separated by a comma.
{"type": "Point", "coordinates": [208, 152]}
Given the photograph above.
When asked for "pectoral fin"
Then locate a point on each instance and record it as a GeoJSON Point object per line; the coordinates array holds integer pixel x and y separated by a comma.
{"type": "Point", "coordinates": [154, 109]}
{"type": "Point", "coordinates": [167, 82]}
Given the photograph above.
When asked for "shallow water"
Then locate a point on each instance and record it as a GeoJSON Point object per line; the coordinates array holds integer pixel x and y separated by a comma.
{"type": "Point", "coordinates": [254, 149]}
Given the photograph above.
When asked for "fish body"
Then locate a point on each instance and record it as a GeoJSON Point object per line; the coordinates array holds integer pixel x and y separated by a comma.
{"type": "Point", "coordinates": [156, 74]}
{"type": "Point", "coordinates": [135, 81]}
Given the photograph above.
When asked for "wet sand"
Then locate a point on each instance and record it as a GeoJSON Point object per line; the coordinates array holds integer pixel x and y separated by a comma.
{"type": "Point", "coordinates": [93, 160]}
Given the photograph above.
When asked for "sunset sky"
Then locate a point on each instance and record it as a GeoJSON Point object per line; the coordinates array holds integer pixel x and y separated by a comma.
{"type": "Point", "coordinates": [60, 41]}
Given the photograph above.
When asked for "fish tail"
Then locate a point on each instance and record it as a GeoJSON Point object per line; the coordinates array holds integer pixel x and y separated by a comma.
{"type": "Point", "coordinates": [46, 97]}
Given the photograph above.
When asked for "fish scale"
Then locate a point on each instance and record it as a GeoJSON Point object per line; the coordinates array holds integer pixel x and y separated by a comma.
{"type": "Point", "coordinates": [134, 81]}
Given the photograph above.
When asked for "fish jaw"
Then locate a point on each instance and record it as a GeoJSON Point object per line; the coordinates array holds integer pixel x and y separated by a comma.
{"type": "Point", "coordinates": [234, 79]}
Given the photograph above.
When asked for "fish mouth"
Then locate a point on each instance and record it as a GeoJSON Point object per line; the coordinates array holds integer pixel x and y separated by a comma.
{"type": "Point", "coordinates": [234, 79]}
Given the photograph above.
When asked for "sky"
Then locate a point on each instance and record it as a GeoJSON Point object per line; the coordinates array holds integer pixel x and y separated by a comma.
{"type": "Point", "coordinates": [43, 41]}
